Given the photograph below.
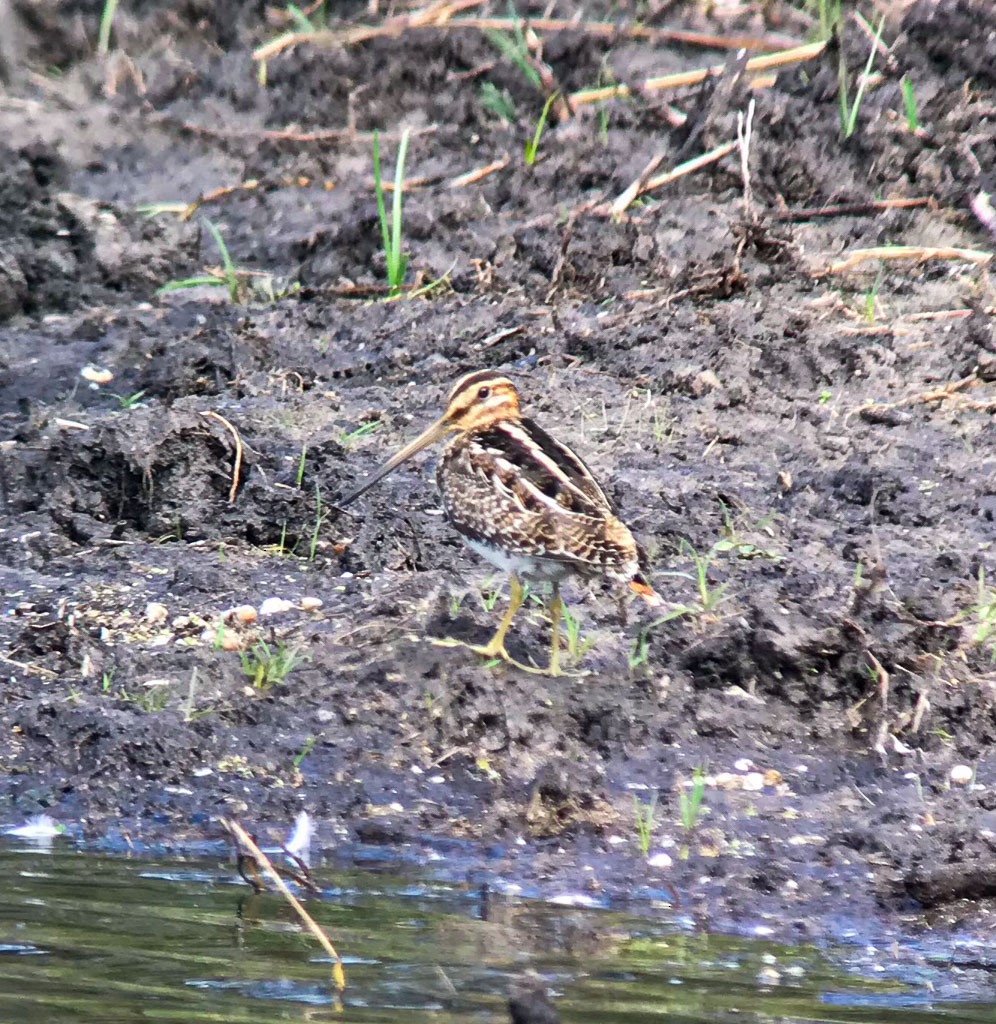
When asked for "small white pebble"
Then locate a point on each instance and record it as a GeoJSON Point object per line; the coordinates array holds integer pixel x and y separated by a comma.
{"type": "Point", "coordinates": [753, 781]}
{"type": "Point", "coordinates": [743, 765]}
{"type": "Point", "coordinates": [416, 770]}
{"type": "Point", "coordinates": [96, 374]}
{"type": "Point", "coordinates": [660, 860]}
{"type": "Point", "coordinates": [156, 613]}
{"type": "Point", "coordinates": [274, 606]}
{"type": "Point", "coordinates": [200, 773]}
{"type": "Point", "coordinates": [962, 774]}
{"type": "Point", "coordinates": [311, 604]}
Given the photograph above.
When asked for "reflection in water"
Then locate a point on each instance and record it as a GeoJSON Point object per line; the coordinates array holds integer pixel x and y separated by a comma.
{"type": "Point", "coordinates": [100, 939]}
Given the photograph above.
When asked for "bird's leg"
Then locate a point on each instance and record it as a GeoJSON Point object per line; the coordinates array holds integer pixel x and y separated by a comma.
{"type": "Point", "coordinates": [556, 608]}
{"type": "Point", "coordinates": [495, 647]}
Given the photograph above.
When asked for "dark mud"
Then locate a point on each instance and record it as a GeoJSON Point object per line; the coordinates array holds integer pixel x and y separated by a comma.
{"type": "Point", "coordinates": [821, 448]}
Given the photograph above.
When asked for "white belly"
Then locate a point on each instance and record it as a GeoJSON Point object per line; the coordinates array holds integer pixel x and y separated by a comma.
{"type": "Point", "coordinates": [527, 566]}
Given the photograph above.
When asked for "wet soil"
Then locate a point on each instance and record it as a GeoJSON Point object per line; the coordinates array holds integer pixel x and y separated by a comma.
{"type": "Point", "coordinates": [807, 454]}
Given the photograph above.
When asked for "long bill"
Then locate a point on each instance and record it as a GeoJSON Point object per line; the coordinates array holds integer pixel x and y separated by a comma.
{"type": "Point", "coordinates": [438, 429]}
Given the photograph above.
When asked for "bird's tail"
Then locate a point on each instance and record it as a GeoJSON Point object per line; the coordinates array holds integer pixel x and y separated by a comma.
{"type": "Point", "coordinates": [640, 585]}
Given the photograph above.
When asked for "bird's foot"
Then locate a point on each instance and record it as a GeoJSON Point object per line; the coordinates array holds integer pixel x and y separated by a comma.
{"type": "Point", "coordinates": [493, 650]}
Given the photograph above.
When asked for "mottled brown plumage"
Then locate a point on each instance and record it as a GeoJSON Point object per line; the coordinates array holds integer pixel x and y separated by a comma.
{"type": "Point", "coordinates": [522, 499]}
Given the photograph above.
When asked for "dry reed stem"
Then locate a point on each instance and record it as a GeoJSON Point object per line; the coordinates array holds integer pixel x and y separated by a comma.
{"type": "Point", "coordinates": [624, 199]}
{"type": "Point", "coordinates": [461, 180]}
{"type": "Point", "coordinates": [689, 166]}
{"type": "Point", "coordinates": [217, 193]}
{"type": "Point", "coordinates": [245, 840]}
{"type": "Point", "coordinates": [437, 17]}
{"type": "Point", "coordinates": [237, 467]}
{"type": "Point", "coordinates": [952, 392]}
{"type": "Point", "coordinates": [946, 314]}
{"type": "Point", "coordinates": [779, 58]}
{"type": "Point", "coordinates": [906, 252]}
{"type": "Point", "coordinates": [644, 183]}
{"type": "Point", "coordinates": [849, 209]}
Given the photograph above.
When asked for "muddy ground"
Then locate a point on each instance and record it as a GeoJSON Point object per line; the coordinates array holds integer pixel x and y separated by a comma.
{"type": "Point", "coordinates": [819, 443]}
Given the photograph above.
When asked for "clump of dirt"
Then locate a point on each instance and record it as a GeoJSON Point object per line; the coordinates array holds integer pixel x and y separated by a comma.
{"type": "Point", "coordinates": [59, 250]}
{"type": "Point", "coordinates": [803, 450]}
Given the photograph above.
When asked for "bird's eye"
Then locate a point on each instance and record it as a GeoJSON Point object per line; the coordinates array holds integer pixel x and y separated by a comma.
{"type": "Point", "coordinates": [484, 393]}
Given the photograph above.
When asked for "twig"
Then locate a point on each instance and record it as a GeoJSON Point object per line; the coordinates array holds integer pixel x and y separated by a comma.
{"type": "Point", "coordinates": [478, 173]}
{"type": "Point", "coordinates": [946, 314]}
{"type": "Point", "coordinates": [280, 134]}
{"type": "Point", "coordinates": [769, 60]}
{"type": "Point", "coordinates": [441, 19]}
{"type": "Point", "coordinates": [696, 163]}
{"type": "Point", "coordinates": [905, 252]}
{"type": "Point", "coordinates": [500, 336]}
{"type": "Point", "coordinates": [952, 391]}
{"type": "Point", "coordinates": [217, 193]}
{"type": "Point", "coordinates": [237, 467]}
{"type": "Point", "coordinates": [849, 209]}
{"type": "Point", "coordinates": [25, 667]}
{"type": "Point", "coordinates": [244, 840]}
{"type": "Point", "coordinates": [637, 185]}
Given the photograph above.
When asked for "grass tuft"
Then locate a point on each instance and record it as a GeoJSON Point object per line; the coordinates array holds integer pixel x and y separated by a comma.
{"type": "Point", "coordinates": [391, 228]}
{"type": "Point", "coordinates": [266, 666]}
{"type": "Point", "coordinates": [690, 801]}
{"type": "Point", "coordinates": [644, 814]}
{"type": "Point", "coordinates": [532, 145]}
{"type": "Point", "coordinates": [513, 47]}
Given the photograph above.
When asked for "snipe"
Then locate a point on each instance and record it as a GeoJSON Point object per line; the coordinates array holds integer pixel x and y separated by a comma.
{"type": "Point", "coordinates": [523, 500]}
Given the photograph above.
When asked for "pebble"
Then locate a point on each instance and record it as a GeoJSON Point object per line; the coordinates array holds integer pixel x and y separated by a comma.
{"type": "Point", "coordinates": [660, 860]}
{"type": "Point", "coordinates": [156, 613]}
{"type": "Point", "coordinates": [274, 606]}
{"type": "Point", "coordinates": [311, 604]}
{"type": "Point", "coordinates": [962, 774]}
{"type": "Point", "coordinates": [96, 374]}
{"type": "Point", "coordinates": [242, 613]}
{"type": "Point", "coordinates": [743, 765]}
{"type": "Point", "coordinates": [753, 781]}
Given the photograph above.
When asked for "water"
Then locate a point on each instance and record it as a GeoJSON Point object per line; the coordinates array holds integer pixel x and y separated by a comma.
{"type": "Point", "coordinates": [100, 939]}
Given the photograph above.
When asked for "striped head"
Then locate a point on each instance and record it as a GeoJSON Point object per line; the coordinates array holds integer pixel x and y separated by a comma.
{"type": "Point", "coordinates": [479, 399]}
{"type": "Point", "coordinates": [476, 401]}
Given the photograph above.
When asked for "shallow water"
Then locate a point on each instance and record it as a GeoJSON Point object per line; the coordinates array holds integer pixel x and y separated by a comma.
{"type": "Point", "coordinates": [105, 939]}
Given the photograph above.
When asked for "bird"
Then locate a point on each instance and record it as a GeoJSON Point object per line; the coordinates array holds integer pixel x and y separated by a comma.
{"type": "Point", "coordinates": [524, 501]}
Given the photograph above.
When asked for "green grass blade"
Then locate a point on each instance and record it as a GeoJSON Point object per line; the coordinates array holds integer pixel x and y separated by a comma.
{"type": "Point", "coordinates": [231, 279]}
{"type": "Point", "coordinates": [385, 232]}
{"type": "Point", "coordinates": [189, 282]}
{"type": "Point", "coordinates": [863, 81]}
{"type": "Point", "coordinates": [301, 21]}
{"type": "Point", "coordinates": [909, 103]}
{"type": "Point", "coordinates": [106, 22]}
{"type": "Point", "coordinates": [532, 147]}
{"type": "Point", "coordinates": [398, 263]}
{"type": "Point", "coordinates": [515, 51]}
